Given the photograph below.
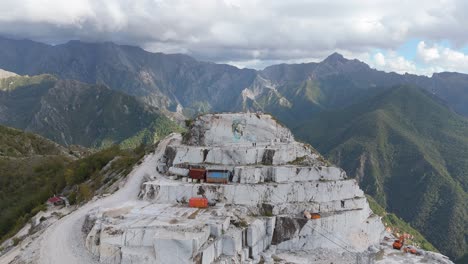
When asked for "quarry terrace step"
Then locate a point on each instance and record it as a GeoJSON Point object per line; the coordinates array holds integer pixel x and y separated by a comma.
{"type": "Point", "coordinates": [259, 174]}
{"type": "Point", "coordinates": [188, 238]}
{"type": "Point", "coordinates": [251, 174]}
{"type": "Point", "coordinates": [241, 155]}
{"type": "Point", "coordinates": [168, 191]}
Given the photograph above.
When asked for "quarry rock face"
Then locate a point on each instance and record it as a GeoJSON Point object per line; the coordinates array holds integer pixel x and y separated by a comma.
{"type": "Point", "coordinates": [264, 184]}
{"type": "Point", "coordinates": [228, 129]}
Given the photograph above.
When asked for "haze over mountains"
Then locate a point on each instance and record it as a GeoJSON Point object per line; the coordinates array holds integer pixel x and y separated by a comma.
{"type": "Point", "coordinates": [407, 146]}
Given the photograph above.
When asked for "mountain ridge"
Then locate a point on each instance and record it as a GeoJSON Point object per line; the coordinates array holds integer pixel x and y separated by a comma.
{"type": "Point", "coordinates": [178, 81]}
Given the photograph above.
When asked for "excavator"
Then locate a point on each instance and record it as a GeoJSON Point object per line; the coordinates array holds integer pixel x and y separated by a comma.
{"type": "Point", "coordinates": [411, 250]}
{"type": "Point", "coordinates": [398, 244]}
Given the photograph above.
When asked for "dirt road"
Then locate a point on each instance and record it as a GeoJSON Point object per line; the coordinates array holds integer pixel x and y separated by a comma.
{"type": "Point", "coordinates": [63, 242]}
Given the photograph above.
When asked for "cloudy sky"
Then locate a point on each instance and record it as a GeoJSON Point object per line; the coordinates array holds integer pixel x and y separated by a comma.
{"type": "Point", "coordinates": [419, 37]}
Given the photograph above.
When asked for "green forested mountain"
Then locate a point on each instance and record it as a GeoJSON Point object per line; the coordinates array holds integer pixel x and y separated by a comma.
{"type": "Point", "coordinates": [15, 143]}
{"type": "Point", "coordinates": [70, 112]}
{"type": "Point", "coordinates": [409, 151]}
{"type": "Point", "coordinates": [23, 184]}
{"type": "Point", "coordinates": [33, 168]}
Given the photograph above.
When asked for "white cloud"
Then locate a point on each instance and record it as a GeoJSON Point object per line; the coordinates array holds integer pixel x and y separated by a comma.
{"type": "Point", "coordinates": [427, 54]}
{"type": "Point", "coordinates": [429, 59]}
{"type": "Point", "coordinates": [379, 59]}
{"type": "Point", "coordinates": [243, 30]}
{"type": "Point", "coordinates": [438, 58]}
{"type": "Point", "coordinates": [392, 62]}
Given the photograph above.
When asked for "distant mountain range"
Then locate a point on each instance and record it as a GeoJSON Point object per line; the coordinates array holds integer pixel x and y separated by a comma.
{"type": "Point", "coordinates": [407, 146]}
{"type": "Point", "coordinates": [168, 81]}
{"type": "Point", "coordinates": [164, 80]}
{"type": "Point", "coordinates": [74, 113]}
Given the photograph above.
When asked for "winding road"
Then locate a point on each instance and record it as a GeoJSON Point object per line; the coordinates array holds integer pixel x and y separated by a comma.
{"type": "Point", "coordinates": [63, 241]}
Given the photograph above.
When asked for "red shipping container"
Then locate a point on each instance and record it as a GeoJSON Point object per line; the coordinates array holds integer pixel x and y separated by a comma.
{"type": "Point", "coordinates": [198, 202]}
{"type": "Point", "coordinates": [198, 174]}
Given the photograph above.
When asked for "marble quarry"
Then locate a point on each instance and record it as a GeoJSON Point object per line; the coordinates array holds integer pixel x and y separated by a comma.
{"type": "Point", "coordinates": [272, 180]}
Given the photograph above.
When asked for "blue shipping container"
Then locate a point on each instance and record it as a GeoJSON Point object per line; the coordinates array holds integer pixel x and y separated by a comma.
{"type": "Point", "coordinates": [217, 176]}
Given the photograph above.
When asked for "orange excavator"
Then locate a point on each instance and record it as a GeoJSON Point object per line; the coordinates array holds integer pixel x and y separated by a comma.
{"type": "Point", "coordinates": [411, 250]}
{"type": "Point", "coordinates": [398, 244]}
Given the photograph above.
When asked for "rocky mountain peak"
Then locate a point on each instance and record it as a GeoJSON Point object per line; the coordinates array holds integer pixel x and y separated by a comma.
{"type": "Point", "coordinates": [338, 64]}
{"type": "Point", "coordinates": [335, 57]}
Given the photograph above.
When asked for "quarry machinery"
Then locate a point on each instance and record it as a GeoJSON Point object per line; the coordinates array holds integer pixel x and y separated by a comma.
{"type": "Point", "coordinates": [398, 244]}
{"type": "Point", "coordinates": [411, 250]}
